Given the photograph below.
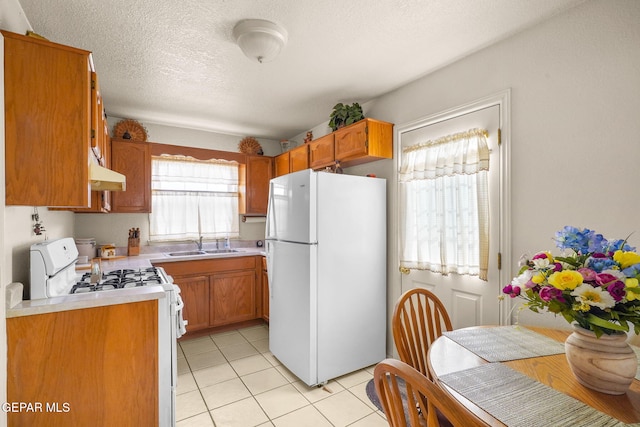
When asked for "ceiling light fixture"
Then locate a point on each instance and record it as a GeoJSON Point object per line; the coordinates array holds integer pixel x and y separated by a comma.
{"type": "Point", "coordinates": [259, 39]}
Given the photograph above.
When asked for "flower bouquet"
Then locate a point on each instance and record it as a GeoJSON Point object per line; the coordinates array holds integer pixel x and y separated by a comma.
{"type": "Point", "coordinates": [594, 282]}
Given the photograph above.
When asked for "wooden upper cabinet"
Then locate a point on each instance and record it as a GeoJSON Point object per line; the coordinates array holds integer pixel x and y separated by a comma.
{"type": "Point", "coordinates": [281, 163]}
{"type": "Point", "coordinates": [133, 160]}
{"type": "Point", "coordinates": [364, 141]}
{"type": "Point", "coordinates": [47, 91]}
{"type": "Point", "coordinates": [299, 158]}
{"type": "Point", "coordinates": [259, 173]}
{"type": "Point", "coordinates": [322, 152]}
{"type": "Point", "coordinates": [100, 200]}
{"type": "Point", "coordinates": [99, 127]}
{"type": "Point", "coordinates": [294, 160]}
{"type": "Point", "coordinates": [101, 147]}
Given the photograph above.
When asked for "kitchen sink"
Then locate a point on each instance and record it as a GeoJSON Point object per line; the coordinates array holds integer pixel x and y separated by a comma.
{"type": "Point", "coordinates": [187, 253]}
{"type": "Point", "coordinates": [209, 252]}
{"type": "Point", "coordinates": [221, 251]}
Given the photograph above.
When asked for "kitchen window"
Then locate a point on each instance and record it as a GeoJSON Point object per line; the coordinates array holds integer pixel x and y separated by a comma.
{"type": "Point", "coordinates": [192, 198]}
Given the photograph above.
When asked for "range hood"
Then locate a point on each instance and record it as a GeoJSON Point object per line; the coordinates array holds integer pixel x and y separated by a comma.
{"type": "Point", "coordinates": [105, 179]}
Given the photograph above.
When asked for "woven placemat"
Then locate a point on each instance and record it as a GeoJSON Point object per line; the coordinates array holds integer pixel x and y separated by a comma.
{"type": "Point", "coordinates": [520, 401]}
{"type": "Point", "coordinates": [503, 343]}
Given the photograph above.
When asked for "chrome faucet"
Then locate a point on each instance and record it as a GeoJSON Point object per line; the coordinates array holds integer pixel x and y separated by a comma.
{"type": "Point", "coordinates": [199, 243]}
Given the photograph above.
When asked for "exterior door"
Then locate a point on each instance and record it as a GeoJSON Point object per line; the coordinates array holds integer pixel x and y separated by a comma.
{"type": "Point", "coordinates": [468, 300]}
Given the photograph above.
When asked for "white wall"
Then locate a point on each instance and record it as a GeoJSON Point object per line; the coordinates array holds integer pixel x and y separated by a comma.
{"type": "Point", "coordinates": [575, 144]}
{"type": "Point", "coordinates": [198, 138]}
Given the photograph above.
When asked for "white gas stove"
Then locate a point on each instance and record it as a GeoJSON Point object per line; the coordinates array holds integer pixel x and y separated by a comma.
{"type": "Point", "coordinates": [120, 279]}
{"type": "Point", "coordinates": [53, 275]}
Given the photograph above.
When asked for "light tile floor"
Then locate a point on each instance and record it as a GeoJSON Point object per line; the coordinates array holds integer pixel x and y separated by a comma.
{"type": "Point", "coordinates": [231, 379]}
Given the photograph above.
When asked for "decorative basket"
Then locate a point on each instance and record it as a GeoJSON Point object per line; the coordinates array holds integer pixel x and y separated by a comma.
{"type": "Point", "coordinates": [250, 145]}
{"type": "Point", "coordinates": [130, 129]}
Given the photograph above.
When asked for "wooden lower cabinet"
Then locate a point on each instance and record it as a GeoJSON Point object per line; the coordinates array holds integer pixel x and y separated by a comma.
{"type": "Point", "coordinates": [265, 290]}
{"type": "Point", "coordinates": [218, 292]}
{"type": "Point", "coordinates": [87, 367]}
{"type": "Point", "coordinates": [195, 295]}
{"type": "Point", "coordinates": [233, 297]}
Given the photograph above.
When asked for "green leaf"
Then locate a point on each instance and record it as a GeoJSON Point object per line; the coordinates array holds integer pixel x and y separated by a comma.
{"type": "Point", "coordinates": [595, 320]}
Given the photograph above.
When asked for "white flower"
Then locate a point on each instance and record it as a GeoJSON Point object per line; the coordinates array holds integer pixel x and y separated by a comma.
{"type": "Point", "coordinates": [598, 297]}
{"type": "Point", "coordinates": [522, 279]}
{"type": "Point", "coordinates": [541, 263]}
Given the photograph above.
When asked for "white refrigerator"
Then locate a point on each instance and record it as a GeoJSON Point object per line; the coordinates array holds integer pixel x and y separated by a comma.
{"type": "Point", "coordinates": [326, 260]}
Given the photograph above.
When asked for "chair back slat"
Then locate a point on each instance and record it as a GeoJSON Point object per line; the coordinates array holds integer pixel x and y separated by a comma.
{"type": "Point", "coordinates": [387, 375]}
{"type": "Point", "coordinates": [419, 318]}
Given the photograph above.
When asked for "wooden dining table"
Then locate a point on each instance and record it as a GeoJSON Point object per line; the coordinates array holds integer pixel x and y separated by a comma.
{"type": "Point", "coordinates": [447, 357]}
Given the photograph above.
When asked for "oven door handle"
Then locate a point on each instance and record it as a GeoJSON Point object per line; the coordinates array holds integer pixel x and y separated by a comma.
{"type": "Point", "coordinates": [180, 322]}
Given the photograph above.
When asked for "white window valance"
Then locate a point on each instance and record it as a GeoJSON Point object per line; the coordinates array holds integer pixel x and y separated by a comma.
{"type": "Point", "coordinates": [460, 153]}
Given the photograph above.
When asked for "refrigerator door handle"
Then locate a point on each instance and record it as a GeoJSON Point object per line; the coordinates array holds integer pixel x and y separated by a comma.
{"type": "Point", "coordinates": [270, 267]}
{"type": "Point", "coordinates": [270, 213]}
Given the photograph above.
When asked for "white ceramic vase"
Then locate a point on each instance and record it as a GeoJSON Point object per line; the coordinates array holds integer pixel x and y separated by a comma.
{"type": "Point", "coordinates": [606, 364]}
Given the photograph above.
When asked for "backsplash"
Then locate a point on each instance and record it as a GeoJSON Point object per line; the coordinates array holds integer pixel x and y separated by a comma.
{"type": "Point", "coordinates": [114, 228]}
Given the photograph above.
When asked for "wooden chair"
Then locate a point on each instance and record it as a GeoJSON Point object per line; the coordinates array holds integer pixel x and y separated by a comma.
{"type": "Point", "coordinates": [386, 377]}
{"type": "Point", "coordinates": [419, 318]}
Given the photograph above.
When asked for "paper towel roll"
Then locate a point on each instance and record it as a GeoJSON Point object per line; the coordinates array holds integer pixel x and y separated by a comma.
{"type": "Point", "coordinates": [253, 219]}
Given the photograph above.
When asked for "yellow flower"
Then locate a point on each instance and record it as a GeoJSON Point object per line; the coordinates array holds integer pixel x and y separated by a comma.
{"type": "Point", "coordinates": [538, 278]}
{"type": "Point", "coordinates": [626, 259]}
{"type": "Point", "coordinates": [633, 290]}
{"type": "Point", "coordinates": [565, 280]}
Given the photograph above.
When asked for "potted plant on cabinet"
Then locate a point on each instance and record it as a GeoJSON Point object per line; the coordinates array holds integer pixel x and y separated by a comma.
{"type": "Point", "coordinates": [344, 115]}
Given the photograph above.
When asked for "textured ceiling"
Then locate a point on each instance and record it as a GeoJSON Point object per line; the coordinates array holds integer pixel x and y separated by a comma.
{"type": "Point", "coordinates": [175, 62]}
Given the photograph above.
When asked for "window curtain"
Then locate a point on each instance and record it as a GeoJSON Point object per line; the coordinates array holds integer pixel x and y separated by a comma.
{"type": "Point", "coordinates": [444, 205]}
{"type": "Point", "coordinates": [192, 198]}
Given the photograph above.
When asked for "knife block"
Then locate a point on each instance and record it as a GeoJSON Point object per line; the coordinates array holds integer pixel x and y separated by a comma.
{"type": "Point", "coordinates": [133, 247]}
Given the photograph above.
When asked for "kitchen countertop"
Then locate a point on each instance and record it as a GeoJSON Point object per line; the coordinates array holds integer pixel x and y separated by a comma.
{"type": "Point", "coordinates": [86, 300]}
{"type": "Point", "coordinates": [122, 296]}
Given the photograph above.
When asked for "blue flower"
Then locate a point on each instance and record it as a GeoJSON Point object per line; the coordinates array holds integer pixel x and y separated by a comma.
{"type": "Point", "coordinates": [581, 241]}
{"type": "Point", "coordinates": [601, 264]}
{"type": "Point", "coordinates": [620, 245]}
{"type": "Point", "coordinates": [632, 271]}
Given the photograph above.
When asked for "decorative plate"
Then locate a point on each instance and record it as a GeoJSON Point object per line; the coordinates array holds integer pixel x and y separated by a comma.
{"type": "Point", "coordinates": [130, 129]}
{"type": "Point", "coordinates": [250, 145]}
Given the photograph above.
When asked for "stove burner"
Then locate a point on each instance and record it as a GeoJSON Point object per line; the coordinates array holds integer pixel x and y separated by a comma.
{"type": "Point", "coordinates": [118, 279]}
